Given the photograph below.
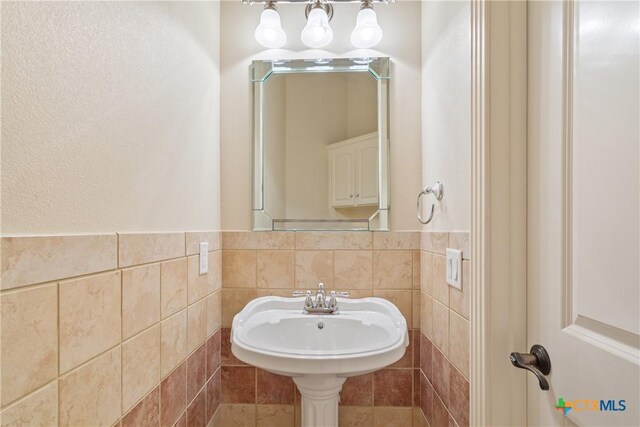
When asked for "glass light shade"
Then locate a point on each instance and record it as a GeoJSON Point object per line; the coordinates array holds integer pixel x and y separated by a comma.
{"type": "Point", "coordinates": [367, 32]}
{"type": "Point", "coordinates": [317, 33]}
{"type": "Point", "coordinates": [269, 32]}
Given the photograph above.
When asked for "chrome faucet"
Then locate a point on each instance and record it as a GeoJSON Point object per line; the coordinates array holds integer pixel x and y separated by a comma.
{"type": "Point", "coordinates": [319, 304]}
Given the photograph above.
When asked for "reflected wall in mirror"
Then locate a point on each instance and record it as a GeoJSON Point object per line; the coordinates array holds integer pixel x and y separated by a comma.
{"type": "Point", "coordinates": [321, 145]}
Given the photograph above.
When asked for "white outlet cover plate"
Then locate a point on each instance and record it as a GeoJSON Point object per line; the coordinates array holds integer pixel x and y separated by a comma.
{"type": "Point", "coordinates": [454, 268]}
{"type": "Point", "coordinates": [204, 258]}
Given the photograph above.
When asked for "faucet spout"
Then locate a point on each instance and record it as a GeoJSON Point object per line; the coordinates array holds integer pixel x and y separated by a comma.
{"type": "Point", "coordinates": [321, 296]}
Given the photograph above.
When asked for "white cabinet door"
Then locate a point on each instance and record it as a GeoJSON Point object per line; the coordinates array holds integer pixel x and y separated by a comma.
{"type": "Point", "coordinates": [341, 173]}
{"type": "Point", "coordinates": [582, 211]}
{"type": "Point", "coordinates": [367, 174]}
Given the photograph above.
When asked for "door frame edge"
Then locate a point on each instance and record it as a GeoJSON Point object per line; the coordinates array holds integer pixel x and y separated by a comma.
{"type": "Point", "coordinates": [498, 211]}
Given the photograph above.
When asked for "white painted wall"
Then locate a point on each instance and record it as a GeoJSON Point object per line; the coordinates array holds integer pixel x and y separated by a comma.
{"type": "Point", "coordinates": [110, 116]}
{"type": "Point", "coordinates": [401, 25]}
{"type": "Point", "coordinates": [446, 111]}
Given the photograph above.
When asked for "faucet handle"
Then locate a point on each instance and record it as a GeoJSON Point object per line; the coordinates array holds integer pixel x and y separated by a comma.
{"type": "Point", "coordinates": [308, 301]}
{"type": "Point", "coordinates": [333, 302]}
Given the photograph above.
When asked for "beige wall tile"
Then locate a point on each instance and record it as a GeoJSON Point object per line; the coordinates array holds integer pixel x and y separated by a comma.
{"type": "Point", "coordinates": [37, 409]}
{"type": "Point", "coordinates": [396, 240]}
{"type": "Point", "coordinates": [196, 325]}
{"type": "Point", "coordinates": [274, 415]}
{"type": "Point", "coordinates": [140, 366]}
{"type": "Point", "coordinates": [275, 240]}
{"type": "Point", "coordinates": [359, 293]}
{"type": "Point", "coordinates": [402, 300]}
{"type": "Point", "coordinates": [390, 416]}
{"type": "Point", "coordinates": [393, 269]}
{"type": "Point", "coordinates": [355, 416]}
{"type": "Point", "coordinates": [419, 419]}
{"type": "Point", "coordinates": [459, 299]}
{"type": "Point", "coordinates": [461, 240]}
{"type": "Point", "coordinates": [275, 269]}
{"type": "Point", "coordinates": [333, 240]}
{"type": "Point", "coordinates": [353, 270]}
{"type": "Point", "coordinates": [143, 248]}
{"type": "Point", "coordinates": [287, 293]}
{"type": "Point", "coordinates": [313, 267]}
{"type": "Point", "coordinates": [439, 280]}
{"type": "Point", "coordinates": [441, 327]}
{"type": "Point", "coordinates": [214, 312]}
{"type": "Point", "coordinates": [140, 299]}
{"type": "Point", "coordinates": [90, 395]}
{"type": "Point", "coordinates": [434, 241]}
{"type": "Point", "coordinates": [173, 342]}
{"type": "Point", "coordinates": [214, 277]}
{"type": "Point", "coordinates": [29, 323]}
{"type": "Point", "coordinates": [459, 342]}
{"type": "Point", "coordinates": [216, 421]}
{"type": "Point", "coordinates": [239, 268]}
{"type": "Point", "coordinates": [173, 286]}
{"type": "Point", "coordinates": [426, 315]}
{"type": "Point", "coordinates": [416, 309]}
{"type": "Point", "coordinates": [234, 300]}
{"type": "Point", "coordinates": [417, 269]}
{"type": "Point", "coordinates": [193, 239]}
{"type": "Point", "coordinates": [29, 260]}
{"type": "Point", "coordinates": [426, 272]}
{"type": "Point", "coordinates": [90, 318]}
{"type": "Point", "coordinates": [197, 283]}
{"type": "Point", "coordinates": [237, 415]}
{"type": "Point", "coordinates": [239, 240]}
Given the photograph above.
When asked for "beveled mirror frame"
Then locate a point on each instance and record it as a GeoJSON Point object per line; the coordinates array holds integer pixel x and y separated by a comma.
{"type": "Point", "coordinates": [261, 71]}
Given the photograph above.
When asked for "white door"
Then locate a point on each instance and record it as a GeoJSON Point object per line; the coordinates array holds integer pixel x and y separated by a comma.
{"type": "Point", "coordinates": [367, 174]}
{"type": "Point", "coordinates": [583, 219]}
{"type": "Point", "coordinates": [341, 175]}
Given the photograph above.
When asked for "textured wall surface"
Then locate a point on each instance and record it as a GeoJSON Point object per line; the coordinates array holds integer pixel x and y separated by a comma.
{"type": "Point", "coordinates": [446, 110]}
{"type": "Point", "coordinates": [110, 116]}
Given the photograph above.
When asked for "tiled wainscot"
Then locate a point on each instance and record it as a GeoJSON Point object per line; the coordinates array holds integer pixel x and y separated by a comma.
{"type": "Point", "coordinates": [444, 333]}
{"type": "Point", "coordinates": [120, 329]}
{"type": "Point", "coordinates": [113, 329]}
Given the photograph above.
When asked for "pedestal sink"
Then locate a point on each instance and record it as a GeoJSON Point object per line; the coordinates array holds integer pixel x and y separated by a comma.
{"type": "Point", "coordinates": [319, 351]}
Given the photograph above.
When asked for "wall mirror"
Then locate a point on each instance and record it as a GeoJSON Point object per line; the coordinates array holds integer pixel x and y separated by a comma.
{"type": "Point", "coordinates": [321, 144]}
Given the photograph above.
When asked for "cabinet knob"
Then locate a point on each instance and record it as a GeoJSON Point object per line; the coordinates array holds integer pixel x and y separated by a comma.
{"type": "Point", "coordinates": [357, 195]}
{"type": "Point", "coordinates": [351, 196]}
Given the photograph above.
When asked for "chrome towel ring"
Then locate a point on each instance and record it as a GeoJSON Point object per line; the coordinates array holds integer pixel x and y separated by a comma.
{"type": "Point", "coordinates": [437, 191]}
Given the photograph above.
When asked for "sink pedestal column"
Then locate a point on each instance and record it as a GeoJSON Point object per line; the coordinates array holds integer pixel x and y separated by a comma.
{"type": "Point", "coordinates": [319, 399]}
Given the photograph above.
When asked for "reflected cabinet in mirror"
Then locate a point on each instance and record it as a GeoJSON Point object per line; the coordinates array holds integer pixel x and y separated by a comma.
{"type": "Point", "coordinates": [321, 144]}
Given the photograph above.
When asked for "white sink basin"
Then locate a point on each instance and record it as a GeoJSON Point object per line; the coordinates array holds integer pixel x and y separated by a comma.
{"type": "Point", "coordinates": [319, 351]}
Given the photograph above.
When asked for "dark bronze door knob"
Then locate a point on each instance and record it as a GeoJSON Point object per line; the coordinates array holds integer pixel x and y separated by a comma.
{"type": "Point", "coordinates": [536, 361]}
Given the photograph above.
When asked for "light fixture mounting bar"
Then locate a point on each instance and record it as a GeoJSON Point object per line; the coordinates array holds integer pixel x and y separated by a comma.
{"type": "Point", "coordinates": [307, 1]}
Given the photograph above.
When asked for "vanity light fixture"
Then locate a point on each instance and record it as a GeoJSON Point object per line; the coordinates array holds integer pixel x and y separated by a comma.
{"type": "Point", "coordinates": [367, 33]}
{"type": "Point", "coordinates": [269, 32]}
{"type": "Point", "coordinates": [317, 33]}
